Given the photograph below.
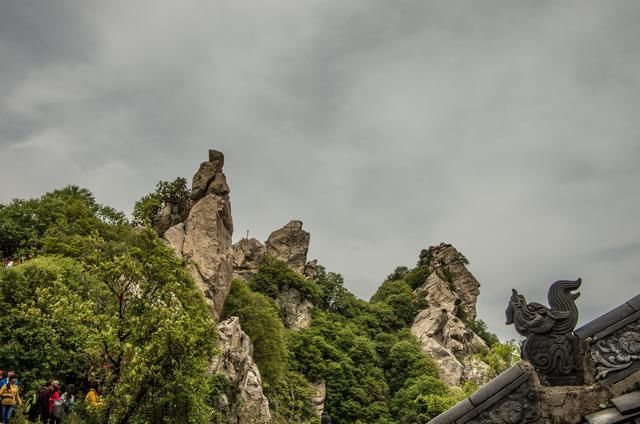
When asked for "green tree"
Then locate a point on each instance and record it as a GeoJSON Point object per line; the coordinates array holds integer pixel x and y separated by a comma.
{"type": "Point", "coordinates": [260, 320]}
{"type": "Point", "coordinates": [110, 302]}
{"type": "Point", "coordinates": [146, 209]}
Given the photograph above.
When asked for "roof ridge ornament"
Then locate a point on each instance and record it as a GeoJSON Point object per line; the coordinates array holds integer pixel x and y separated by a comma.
{"type": "Point", "coordinates": [550, 345]}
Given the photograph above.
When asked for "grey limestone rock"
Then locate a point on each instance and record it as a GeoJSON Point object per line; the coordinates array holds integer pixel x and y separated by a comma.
{"type": "Point", "coordinates": [205, 237]}
{"type": "Point", "coordinates": [236, 363]}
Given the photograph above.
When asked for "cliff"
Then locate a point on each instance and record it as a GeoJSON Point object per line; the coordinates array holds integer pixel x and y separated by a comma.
{"type": "Point", "coordinates": [442, 326]}
{"type": "Point", "coordinates": [289, 244]}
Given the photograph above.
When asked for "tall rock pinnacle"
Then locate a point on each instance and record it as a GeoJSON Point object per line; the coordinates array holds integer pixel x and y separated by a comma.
{"type": "Point", "coordinates": [443, 327]}
{"type": "Point", "coordinates": [205, 236]}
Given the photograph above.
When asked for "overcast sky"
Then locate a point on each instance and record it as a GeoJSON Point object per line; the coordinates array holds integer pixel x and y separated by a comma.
{"type": "Point", "coordinates": [509, 129]}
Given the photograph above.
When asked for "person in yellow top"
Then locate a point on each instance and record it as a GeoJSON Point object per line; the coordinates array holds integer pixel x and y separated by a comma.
{"type": "Point", "coordinates": [9, 398]}
{"type": "Point", "coordinates": [93, 396]}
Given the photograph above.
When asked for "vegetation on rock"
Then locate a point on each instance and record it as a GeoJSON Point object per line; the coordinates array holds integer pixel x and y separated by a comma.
{"type": "Point", "coordinates": [108, 301]}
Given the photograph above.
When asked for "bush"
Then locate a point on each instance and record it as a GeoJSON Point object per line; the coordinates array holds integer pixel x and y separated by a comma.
{"type": "Point", "coordinates": [273, 275]}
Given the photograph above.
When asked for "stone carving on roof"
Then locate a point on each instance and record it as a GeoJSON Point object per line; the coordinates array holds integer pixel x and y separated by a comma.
{"type": "Point", "coordinates": [550, 345]}
{"type": "Point", "coordinates": [618, 351]}
{"type": "Point", "coordinates": [519, 407]}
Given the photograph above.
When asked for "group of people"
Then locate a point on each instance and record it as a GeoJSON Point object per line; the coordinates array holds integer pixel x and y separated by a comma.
{"type": "Point", "coordinates": [9, 262]}
{"type": "Point", "coordinates": [48, 405]}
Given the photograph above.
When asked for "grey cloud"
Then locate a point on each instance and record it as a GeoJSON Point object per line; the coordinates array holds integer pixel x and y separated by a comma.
{"type": "Point", "coordinates": [506, 128]}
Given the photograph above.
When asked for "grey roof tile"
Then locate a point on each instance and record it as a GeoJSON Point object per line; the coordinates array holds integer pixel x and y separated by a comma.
{"type": "Point", "coordinates": [635, 302]}
{"type": "Point", "coordinates": [604, 321]}
{"type": "Point", "coordinates": [606, 416]}
{"type": "Point", "coordinates": [627, 403]}
{"type": "Point", "coordinates": [615, 327]}
{"type": "Point", "coordinates": [495, 385]}
{"type": "Point", "coordinates": [496, 398]}
{"type": "Point", "coordinates": [451, 415]}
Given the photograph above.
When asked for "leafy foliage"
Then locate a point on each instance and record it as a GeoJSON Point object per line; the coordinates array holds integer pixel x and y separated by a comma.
{"type": "Point", "coordinates": [260, 320]}
{"type": "Point", "coordinates": [501, 356]}
{"type": "Point", "coordinates": [108, 302]}
{"type": "Point", "coordinates": [149, 205]}
{"type": "Point", "coordinates": [24, 222]}
{"type": "Point", "coordinates": [480, 328]}
{"type": "Point", "coordinates": [273, 275]}
{"type": "Point", "coordinates": [288, 391]}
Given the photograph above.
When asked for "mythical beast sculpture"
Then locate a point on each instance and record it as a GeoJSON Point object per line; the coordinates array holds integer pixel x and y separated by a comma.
{"type": "Point", "coordinates": [550, 345]}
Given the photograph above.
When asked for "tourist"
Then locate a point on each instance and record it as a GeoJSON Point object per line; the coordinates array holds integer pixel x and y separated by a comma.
{"type": "Point", "coordinates": [41, 409]}
{"type": "Point", "coordinates": [55, 395]}
{"type": "Point", "coordinates": [7, 378]}
{"type": "Point", "coordinates": [10, 397]}
{"type": "Point", "coordinates": [93, 396]}
{"type": "Point", "coordinates": [68, 397]}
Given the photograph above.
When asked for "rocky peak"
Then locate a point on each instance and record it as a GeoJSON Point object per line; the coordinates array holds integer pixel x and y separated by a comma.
{"type": "Point", "coordinates": [210, 178]}
{"type": "Point", "coordinates": [247, 255]}
{"type": "Point", "coordinates": [450, 293]}
{"type": "Point", "coordinates": [451, 265]}
{"type": "Point", "coordinates": [290, 244]}
{"type": "Point", "coordinates": [205, 236]}
{"type": "Point", "coordinates": [236, 363]}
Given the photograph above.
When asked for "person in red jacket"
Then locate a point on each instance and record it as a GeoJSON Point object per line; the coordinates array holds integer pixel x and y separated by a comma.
{"type": "Point", "coordinates": [55, 395]}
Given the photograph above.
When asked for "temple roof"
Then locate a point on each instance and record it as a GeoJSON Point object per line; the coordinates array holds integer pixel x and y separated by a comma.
{"type": "Point", "coordinates": [615, 379]}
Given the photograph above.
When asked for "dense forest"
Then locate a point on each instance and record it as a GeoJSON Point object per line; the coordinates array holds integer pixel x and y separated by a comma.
{"type": "Point", "coordinates": [103, 299]}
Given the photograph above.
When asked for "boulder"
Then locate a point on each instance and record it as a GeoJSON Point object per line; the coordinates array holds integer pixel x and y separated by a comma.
{"type": "Point", "coordinates": [247, 255]}
{"type": "Point", "coordinates": [290, 244]}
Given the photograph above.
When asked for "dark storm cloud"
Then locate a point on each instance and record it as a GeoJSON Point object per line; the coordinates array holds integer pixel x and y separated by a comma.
{"type": "Point", "coordinates": [506, 128]}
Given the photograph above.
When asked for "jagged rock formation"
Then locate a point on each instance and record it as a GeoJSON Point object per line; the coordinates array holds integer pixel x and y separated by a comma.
{"type": "Point", "coordinates": [450, 292]}
{"type": "Point", "coordinates": [172, 213]}
{"type": "Point", "coordinates": [247, 255]}
{"type": "Point", "coordinates": [205, 236]}
{"type": "Point", "coordinates": [289, 244]}
{"type": "Point", "coordinates": [236, 363]}
{"type": "Point", "coordinates": [451, 264]}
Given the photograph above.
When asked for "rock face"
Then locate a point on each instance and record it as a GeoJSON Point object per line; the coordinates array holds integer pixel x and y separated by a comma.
{"type": "Point", "coordinates": [205, 236]}
{"type": "Point", "coordinates": [236, 363]}
{"type": "Point", "coordinates": [318, 397]}
{"type": "Point", "coordinates": [295, 311]}
{"type": "Point", "coordinates": [440, 327]}
{"type": "Point", "coordinates": [451, 264]}
{"type": "Point", "coordinates": [290, 244]}
{"type": "Point", "coordinates": [247, 255]}
{"type": "Point", "coordinates": [171, 214]}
